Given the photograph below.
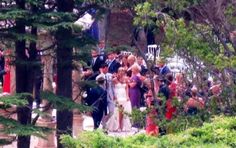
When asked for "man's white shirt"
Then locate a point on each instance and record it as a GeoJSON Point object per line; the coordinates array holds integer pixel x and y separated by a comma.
{"type": "Point", "coordinates": [108, 85]}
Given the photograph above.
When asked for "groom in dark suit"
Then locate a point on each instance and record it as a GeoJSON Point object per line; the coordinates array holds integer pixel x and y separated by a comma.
{"type": "Point", "coordinates": [97, 99]}
{"type": "Point", "coordinates": [113, 64]}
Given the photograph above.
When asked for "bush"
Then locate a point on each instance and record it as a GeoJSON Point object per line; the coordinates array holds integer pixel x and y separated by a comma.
{"type": "Point", "coordinates": [219, 132]}
{"type": "Point", "coordinates": [95, 139]}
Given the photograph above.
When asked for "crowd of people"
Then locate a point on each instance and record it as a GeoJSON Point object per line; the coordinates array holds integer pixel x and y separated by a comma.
{"type": "Point", "coordinates": [125, 83]}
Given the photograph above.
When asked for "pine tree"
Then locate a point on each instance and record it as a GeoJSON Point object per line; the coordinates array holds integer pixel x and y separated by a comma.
{"type": "Point", "coordinates": [64, 70]}
{"type": "Point", "coordinates": [24, 20]}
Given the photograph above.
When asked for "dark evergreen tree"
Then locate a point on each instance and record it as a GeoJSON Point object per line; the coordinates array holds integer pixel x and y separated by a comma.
{"type": "Point", "coordinates": [64, 70]}
{"type": "Point", "coordinates": [22, 83]}
{"type": "Point", "coordinates": [20, 22]}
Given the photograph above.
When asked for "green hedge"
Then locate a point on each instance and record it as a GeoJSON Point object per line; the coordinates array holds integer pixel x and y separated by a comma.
{"type": "Point", "coordinates": [220, 132]}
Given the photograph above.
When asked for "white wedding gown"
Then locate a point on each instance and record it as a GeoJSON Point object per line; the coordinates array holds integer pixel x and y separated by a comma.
{"type": "Point", "coordinates": [121, 95]}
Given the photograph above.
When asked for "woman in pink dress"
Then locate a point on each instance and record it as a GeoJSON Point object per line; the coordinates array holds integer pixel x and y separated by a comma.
{"type": "Point", "coordinates": [195, 103]}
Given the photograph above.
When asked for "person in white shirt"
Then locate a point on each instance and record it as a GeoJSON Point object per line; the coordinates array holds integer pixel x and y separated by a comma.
{"type": "Point", "coordinates": [101, 47]}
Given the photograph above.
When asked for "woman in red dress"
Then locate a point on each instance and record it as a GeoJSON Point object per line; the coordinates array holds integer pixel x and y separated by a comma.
{"type": "Point", "coordinates": [170, 109]}
{"type": "Point", "coordinates": [7, 76]}
{"type": "Point", "coordinates": [151, 126]}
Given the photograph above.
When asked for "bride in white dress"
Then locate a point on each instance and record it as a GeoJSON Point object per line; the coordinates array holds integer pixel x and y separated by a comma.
{"type": "Point", "coordinates": [120, 120]}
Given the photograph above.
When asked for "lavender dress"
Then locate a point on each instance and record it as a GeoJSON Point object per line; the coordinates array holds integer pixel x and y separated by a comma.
{"type": "Point", "coordinates": [135, 93]}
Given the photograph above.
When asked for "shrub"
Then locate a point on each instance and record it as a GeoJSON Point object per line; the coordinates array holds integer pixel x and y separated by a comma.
{"type": "Point", "coordinates": [219, 132]}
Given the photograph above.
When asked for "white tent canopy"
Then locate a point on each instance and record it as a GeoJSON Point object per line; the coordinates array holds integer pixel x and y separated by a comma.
{"type": "Point", "coordinates": [85, 21]}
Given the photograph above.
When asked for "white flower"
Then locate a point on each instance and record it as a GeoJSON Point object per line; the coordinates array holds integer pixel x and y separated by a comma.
{"type": "Point", "coordinates": [84, 94]}
{"type": "Point", "coordinates": [142, 109]}
{"type": "Point", "coordinates": [88, 124]}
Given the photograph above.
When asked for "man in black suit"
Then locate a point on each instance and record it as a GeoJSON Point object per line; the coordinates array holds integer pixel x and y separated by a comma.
{"type": "Point", "coordinates": [113, 64]}
{"type": "Point", "coordinates": [164, 69]}
{"type": "Point", "coordinates": [95, 64]}
{"type": "Point", "coordinates": [140, 62]}
{"type": "Point", "coordinates": [97, 61]}
{"type": "Point", "coordinates": [97, 99]}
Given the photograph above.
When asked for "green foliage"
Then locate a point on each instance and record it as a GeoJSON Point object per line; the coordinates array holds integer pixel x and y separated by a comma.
{"type": "Point", "coordinates": [191, 40]}
{"type": "Point", "coordinates": [82, 40]}
{"type": "Point", "coordinates": [139, 141]}
{"type": "Point", "coordinates": [43, 19]}
{"type": "Point", "coordinates": [12, 126]}
{"type": "Point", "coordinates": [183, 122]}
{"type": "Point", "coordinates": [121, 4]}
{"type": "Point", "coordinates": [188, 39]}
{"type": "Point", "coordinates": [6, 141]}
{"type": "Point", "coordinates": [24, 25]}
{"type": "Point", "coordinates": [229, 12]}
{"type": "Point", "coordinates": [120, 48]}
{"type": "Point", "coordinates": [181, 4]}
{"type": "Point", "coordinates": [144, 13]}
{"type": "Point", "coordinates": [61, 103]}
{"type": "Point", "coordinates": [41, 113]}
{"type": "Point", "coordinates": [13, 14]}
{"type": "Point", "coordinates": [104, 141]}
{"type": "Point", "coordinates": [20, 99]}
{"type": "Point", "coordinates": [69, 142]}
{"type": "Point", "coordinates": [138, 117]}
{"type": "Point", "coordinates": [220, 132]}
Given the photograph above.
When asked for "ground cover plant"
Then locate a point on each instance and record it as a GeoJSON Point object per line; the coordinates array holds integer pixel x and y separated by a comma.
{"type": "Point", "coordinates": [220, 131]}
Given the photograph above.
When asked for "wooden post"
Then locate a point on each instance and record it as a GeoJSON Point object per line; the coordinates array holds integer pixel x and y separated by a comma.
{"type": "Point", "coordinates": [49, 142]}
{"type": "Point", "coordinates": [47, 121]}
{"type": "Point", "coordinates": [77, 117]}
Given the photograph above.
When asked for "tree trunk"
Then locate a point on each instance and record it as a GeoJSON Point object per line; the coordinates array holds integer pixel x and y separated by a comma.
{"type": "Point", "coordinates": [64, 72]}
{"type": "Point", "coordinates": [24, 75]}
{"type": "Point", "coordinates": [64, 85]}
{"type": "Point", "coordinates": [23, 113]}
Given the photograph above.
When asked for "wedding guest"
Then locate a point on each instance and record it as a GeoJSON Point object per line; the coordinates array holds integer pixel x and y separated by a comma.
{"type": "Point", "coordinates": [134, 87]}
{"type": "Point", "coordinates": [195, 103]}
{"type": "Point", "coordinates": [152, 128]}
{"type": "Point", "coordinates": [97, 61]}
{"type": "Point", "coordinates": [97, 99]}
{"type": "Point", "coordinates": [164, 69]}
{"type": "Point", "coordinates": [112, 62]}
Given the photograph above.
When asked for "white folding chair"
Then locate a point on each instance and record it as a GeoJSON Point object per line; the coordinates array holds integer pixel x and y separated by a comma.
{"type": "Point", "coordinates": [151, 51]}
{"type": "Point", "coordinates": [154, 48]}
